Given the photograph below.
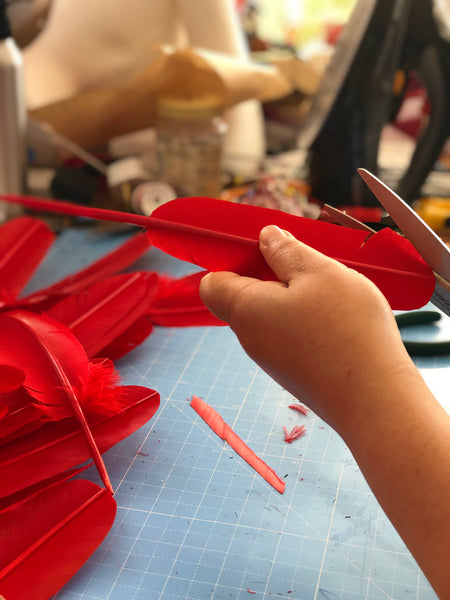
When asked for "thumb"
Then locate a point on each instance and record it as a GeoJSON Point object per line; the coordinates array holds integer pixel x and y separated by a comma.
{"type": "Point", "coordinates": [285, 255]}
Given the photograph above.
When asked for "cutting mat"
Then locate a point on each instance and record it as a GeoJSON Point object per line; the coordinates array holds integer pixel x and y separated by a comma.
{"type": "Point", "coordinates": [194, 520]}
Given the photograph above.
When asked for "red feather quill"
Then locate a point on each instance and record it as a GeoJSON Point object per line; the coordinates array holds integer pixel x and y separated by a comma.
{"type": "Point", "coordinates": [57, 372]}
{"type": "Point", "coordinates": [59, 528]}
{"type": "Point", "coordinates": [55, 447]}
{"type": "Point", "coordinates": [23, 243]}
{"type": "Point", "coordinates": [221, 235]}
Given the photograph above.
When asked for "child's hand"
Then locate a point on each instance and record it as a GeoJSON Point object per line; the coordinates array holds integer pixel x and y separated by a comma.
{"type": "Point", "coordinates": [322, 332]}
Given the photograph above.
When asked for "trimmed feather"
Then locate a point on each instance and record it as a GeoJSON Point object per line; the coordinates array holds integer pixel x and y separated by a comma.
{"type": "Point", "coordinates": [224, 431]}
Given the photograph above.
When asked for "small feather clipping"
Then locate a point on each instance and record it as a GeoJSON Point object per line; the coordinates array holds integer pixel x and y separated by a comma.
{"type": "Point", "coordinates": [224, 431]}
{"type": "Point", "coordinates": [299, 408]}
{"type": "Point", "coordinates": [219, 235]}
{"type": "Point", "coordinates": [296, 432]}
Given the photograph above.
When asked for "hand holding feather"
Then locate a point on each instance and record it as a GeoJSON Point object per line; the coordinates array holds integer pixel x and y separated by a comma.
{"type": "Point", "coordinates": [222, 236]}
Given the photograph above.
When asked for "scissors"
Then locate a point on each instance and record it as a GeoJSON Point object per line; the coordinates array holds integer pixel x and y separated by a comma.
{"type": "Point", "coordinates": [432, 249]}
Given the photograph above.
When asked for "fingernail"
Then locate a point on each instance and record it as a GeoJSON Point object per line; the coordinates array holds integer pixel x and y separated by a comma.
{"type": "Point", "coordinates": [271, 234]}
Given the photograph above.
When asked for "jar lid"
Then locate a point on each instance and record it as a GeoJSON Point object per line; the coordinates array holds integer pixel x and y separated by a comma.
{"type": "Point", "coordinates": [199, 108]}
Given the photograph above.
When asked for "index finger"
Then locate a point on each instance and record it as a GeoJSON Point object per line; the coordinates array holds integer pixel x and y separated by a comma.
{"type": "Point", "coordinates": [219, 291]}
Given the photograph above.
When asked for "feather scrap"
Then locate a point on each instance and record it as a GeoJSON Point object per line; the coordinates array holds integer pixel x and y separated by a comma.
{"type": "Point", "coordinates": [224, 431]}
{"type": "Point", "coordinates": [220, 235]}
{"type": "Point", "coordinates": [296, 432]}
{"type": "Point", "coordinates": [299, 408]}
{"type": "Point", "coordinates": [60, 527]}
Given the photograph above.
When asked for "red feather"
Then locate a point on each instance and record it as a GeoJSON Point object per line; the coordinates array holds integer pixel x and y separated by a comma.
{"type": "Point", "coordinates": [11, 378]}
{"type": "Point", "coordinates": [54, 362]}
{"type": "Point", "coordinates": [14, 500]}
{"type": "Point", "coordinates": [110, 264]}
{"type": "Point", "coordinates": [20, 416]}
{"type": "Point", "coordinates": [130, 339]}
{"type": "Point", "coordinates": [386, 258]}
{"type": "Point", "coordinates": [56, 447]}
{"type": "Point", "coordinates": [220, 235]}
{"type": "Point", "coordinates": [58, 528]}
{"type": "Point", "coordinates": [177, 304]}
{"type": "Point", "coordinates": [105, 310]}
{"type": "Point", "coordinates": [23, 243]}
{"type": "Point", "coordinates": [56, 368]}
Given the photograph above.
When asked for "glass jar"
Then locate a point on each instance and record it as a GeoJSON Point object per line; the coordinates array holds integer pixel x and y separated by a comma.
{"type": "Point", "coordinates": [190, 135]}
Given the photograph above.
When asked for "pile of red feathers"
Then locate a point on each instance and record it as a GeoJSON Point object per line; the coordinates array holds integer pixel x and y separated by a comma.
{"type": "Point", "coordinates": [61, 400]}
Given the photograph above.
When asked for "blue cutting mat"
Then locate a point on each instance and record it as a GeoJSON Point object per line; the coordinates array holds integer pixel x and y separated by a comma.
{"type": "Point", "coordinates": [194, 520]}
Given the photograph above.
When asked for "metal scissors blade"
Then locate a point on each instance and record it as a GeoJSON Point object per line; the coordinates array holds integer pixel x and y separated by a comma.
{"type": "Point", "coordinates": [432, 249]}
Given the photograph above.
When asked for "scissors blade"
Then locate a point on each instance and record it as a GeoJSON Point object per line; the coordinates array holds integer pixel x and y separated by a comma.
{"type": "Point", "coordinates": [432, 249]}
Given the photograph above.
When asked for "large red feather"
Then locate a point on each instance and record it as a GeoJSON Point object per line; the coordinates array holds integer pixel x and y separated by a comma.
{"type": "Point", "coordinates": [21, 415]}
{"type": "Point", "coordinates": [58, 446]}
{"type": "Point", "coordinates": [111, 263]}
{"type": "Point", "coordinates": [46, 539]}
{"type": "Point", "coordinates": [390, 261]}
{"type": "Point", "coordinates": [23, 243]}
{"type": "Point", "coordinates": [136, 333]}
{"type": "Point", "coordinates": [54, 362]}
{"type": "Point", "coordinates": [11, 502]}
{"type": "Point", "coordinates": [105, 310]}
{"type": "Point", "coordinates": [57, 371]}
{"type": "Point", "coordinates": [11, 378]}
{"type": "Point", "coordinates": [220, 235]}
